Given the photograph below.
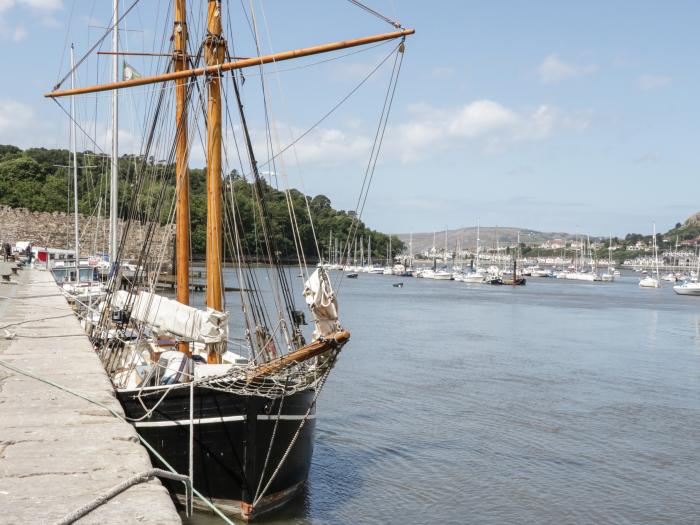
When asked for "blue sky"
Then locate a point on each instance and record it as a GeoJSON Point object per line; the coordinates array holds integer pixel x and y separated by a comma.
{"type": "Point", "coordinates": [546, 115]}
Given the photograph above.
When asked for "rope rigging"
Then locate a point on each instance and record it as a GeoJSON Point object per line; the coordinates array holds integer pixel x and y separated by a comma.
{"type": "Point", "coordinates": [371, 11]}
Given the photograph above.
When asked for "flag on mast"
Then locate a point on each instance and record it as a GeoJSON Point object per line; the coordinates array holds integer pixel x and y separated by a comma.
{"type": "Point", "coordinates": [129, 72]}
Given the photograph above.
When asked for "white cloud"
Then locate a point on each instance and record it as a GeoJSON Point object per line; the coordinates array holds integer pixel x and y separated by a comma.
{"type": "Point", "coordinates": [21, 126]}
{"type": "Point", "coordinates": [326, 147]}
{"type": "Point", "coordinates": [649, 82]}
{"type": "Point", "coordinates": [479, 118]}
{"type": "Point", "coordinates": [553, 69]}
{"type": "Point", "coordinates": [486, 124]}
{"type": "Point", "coordinates": [15, 30]}
{"type": "Point", "coordinates": [51, 5]}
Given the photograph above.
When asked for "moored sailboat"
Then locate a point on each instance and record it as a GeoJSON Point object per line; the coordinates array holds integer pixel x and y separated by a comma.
{"type": "Point", "coordinates": [235, 414]}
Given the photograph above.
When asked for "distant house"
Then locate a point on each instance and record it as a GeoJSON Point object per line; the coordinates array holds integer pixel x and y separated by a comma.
{"type": "Point", "coordinates": [553, 244]}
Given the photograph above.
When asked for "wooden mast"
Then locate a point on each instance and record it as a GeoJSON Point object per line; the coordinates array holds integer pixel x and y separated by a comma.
{"type": "Point", "coordinates": [182, 183]}
{"type": "Point", "coordinates": [214, 50]}
{"type": "Point", "coordinates": [239, 64]}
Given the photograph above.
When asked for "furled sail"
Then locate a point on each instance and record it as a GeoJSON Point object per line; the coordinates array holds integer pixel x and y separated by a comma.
{"type": "Point", "coordinates": [323, 304]}
{"type": "Point", "coordinates": [168, 317]}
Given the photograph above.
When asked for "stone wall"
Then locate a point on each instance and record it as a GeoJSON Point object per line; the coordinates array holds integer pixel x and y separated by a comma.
{"type": "Point", "coordinates": [55, 230]}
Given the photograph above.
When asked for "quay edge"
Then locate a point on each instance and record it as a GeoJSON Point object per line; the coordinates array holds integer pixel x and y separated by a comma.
{"type": "Point", "coordinates": [59, 452]}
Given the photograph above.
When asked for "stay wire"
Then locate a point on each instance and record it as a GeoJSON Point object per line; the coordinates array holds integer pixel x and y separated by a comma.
{"type": "Point", "coordinates": [95, 46]}
{"type": "Point", "coordinates": [371, 11]}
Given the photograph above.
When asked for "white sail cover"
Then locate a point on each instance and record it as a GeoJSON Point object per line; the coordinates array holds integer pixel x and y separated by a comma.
{"type": "Point", "coordinates": [169, 317]}
{"type": "Point", "coordinates": [319, 295]}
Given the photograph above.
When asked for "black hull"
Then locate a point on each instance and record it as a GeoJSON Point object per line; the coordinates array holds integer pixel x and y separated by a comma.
{"type": "Point", "coordinates": [233, 435]}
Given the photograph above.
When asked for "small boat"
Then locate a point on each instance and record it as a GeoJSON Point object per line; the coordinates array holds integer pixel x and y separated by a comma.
{"type": "Point", "coordinates": [687, 289]}
{"type": "Point", "coordinates": [352, 275]}
{"type": "Point", "coordinates": [397, 285]}
{"type": "Point", "coordinates": [442, 275]}
{"type": "Point", "coordinates": [474, 277]}
{"type": "Point", "coordinates": [649, 282]}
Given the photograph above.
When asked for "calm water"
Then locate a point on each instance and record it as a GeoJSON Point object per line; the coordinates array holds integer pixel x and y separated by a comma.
{"type": "Point", "coordinates": [556, 402]}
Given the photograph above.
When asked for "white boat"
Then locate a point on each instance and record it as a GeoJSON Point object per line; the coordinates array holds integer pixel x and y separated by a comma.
{"type": "Point", "coordinates": [442, 275]}
{"type": "Point", "coordinates": [687, 289]}
{"type": "Point", "coordinates": [669, 277]}
{"type": "Point", "coordinates": [579, 276]}
{"type": "Point", "coordinates": [388, 271]}
{"type": "Point", "coordinates": [476, 277]}
{"type": "Point", "coordinates": [649, 281]}
{"type": "Point", "coordinates": [400, 270]}
{"type": "Point", "coordinates": [609, 276]}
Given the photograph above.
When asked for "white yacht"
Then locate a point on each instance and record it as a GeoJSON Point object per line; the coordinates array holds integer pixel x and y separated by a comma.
{"type": "Point", "coordinates": [650, 281]}
{"type": "Point", "coordinates": [688, 288]}
{"type": "Point", "coordinates": [442, 275]}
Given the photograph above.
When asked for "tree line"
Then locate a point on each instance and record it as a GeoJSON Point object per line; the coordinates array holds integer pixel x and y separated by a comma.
{"type": "Point", "coordinates": [40, 180]}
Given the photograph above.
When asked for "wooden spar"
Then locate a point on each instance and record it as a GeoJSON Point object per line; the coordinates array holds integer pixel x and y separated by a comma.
{"type": "Point", "coordinates": [313, 349]}
{"type": "Point", "coordinates": [239, 64]}
{"type": "Point", "coordinates": [214, 49]}
{"type": "Point", "coordinates": [182, 183]}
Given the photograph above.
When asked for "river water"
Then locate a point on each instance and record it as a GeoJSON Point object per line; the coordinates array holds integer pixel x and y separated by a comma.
{"type": "Point", "coordinates": [557, 402]}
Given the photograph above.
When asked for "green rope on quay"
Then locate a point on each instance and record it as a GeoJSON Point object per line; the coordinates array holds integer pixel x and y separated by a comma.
{"type": "Point", "coordinates": [213, 507]}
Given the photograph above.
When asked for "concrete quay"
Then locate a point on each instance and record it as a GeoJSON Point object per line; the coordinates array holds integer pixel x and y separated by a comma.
{"type": "Point", "coordinates": [59, 452]}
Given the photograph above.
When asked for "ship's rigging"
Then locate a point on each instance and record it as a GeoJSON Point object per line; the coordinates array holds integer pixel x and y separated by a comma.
{"type": "Point", "coordinates": [256, 369]}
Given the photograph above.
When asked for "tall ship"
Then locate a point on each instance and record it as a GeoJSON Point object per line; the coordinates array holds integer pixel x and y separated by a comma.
{"type": "Point", "coordinates": [224, 392]}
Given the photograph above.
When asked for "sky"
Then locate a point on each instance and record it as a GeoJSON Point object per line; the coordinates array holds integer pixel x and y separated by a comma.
{"type": "Point", "coordinates": [555, 116]}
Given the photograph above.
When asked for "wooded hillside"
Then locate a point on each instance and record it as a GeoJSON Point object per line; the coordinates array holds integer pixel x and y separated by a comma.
{"type": "Point", "coordinates": [38, 179]}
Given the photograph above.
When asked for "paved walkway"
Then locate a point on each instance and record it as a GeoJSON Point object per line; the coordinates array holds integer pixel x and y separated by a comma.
{"type": "Point", "coordinates": [59, 452]}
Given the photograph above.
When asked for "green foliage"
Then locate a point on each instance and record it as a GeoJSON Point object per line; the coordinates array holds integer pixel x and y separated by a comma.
{"type": "Point", "coordinates": [39, 179]}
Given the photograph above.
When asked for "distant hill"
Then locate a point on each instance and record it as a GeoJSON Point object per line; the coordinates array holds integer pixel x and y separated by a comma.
{"type": "Point", "coordinates": [466, 237]}
{"type": "Point", "coordinates": [688, 231]}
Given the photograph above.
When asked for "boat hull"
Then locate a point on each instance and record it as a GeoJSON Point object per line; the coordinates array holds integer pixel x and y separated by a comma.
{"type": "Point", "coordinates": [234, 451]}
{"type": "Point", "coordinates": [687, 290]}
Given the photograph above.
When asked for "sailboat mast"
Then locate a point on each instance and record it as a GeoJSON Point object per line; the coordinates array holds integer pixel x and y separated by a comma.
{"type": "Point", "coordinates": [214, 46]}
{"type": "Point", "coordinates": [113, 184]}
{"type": "Point", "coordinates": [182, 183]}
{"type": "Point", "coordinates": [478, 241]}
{"type": "Point", "coordinates": [656, 254]}
{"type": "Point", "coordinates": [75, 166]}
